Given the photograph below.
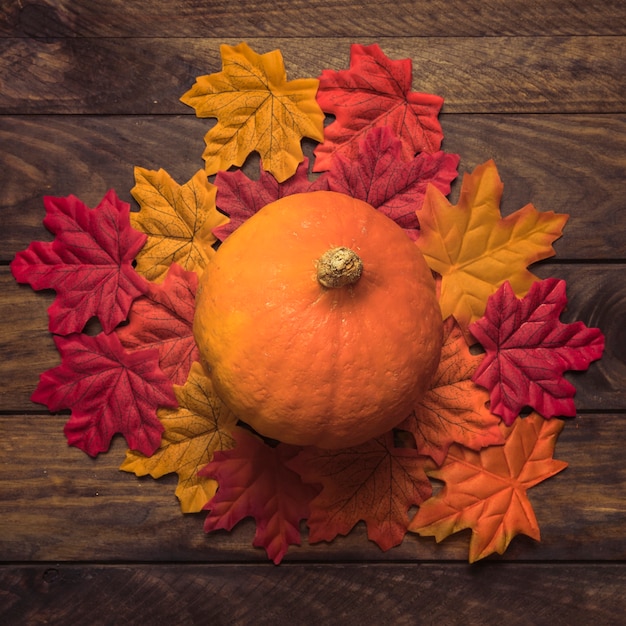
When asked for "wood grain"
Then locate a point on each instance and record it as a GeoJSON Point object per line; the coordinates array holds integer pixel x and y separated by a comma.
{"type": "Point", "coordinates": [59, 504]}
{"type": "Point", "coordinates": [473, 74]}
{"type": "Point", "coordinates": [573, 164]}
{"type": "Point", "coordinates": [330, 594]}
{"type": "Point", "coordinates": [303, 18]}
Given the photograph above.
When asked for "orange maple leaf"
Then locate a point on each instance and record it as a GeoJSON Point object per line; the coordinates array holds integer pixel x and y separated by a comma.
{"type": "Point", "coordinates": [486, 490]}
{"type": "Point", "coordinates": [200, 426]}
{"type": "Point", "coordinates": [374, 482]}
{"type": "Point", "coordinates": [178, 219]}
{"type": "Point", "coordinates": [454, 409]}
{"type": "Point", "coordinates": [257, 109]}
{"type": "Point", "coordinates": [475, 250]}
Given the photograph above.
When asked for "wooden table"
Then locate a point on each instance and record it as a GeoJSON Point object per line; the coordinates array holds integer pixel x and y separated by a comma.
{"type": "Point", "coordinates": [90, 89]}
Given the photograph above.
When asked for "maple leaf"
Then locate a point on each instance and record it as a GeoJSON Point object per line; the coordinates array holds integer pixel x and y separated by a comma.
{"type": "Point", "coordinates": [486, 490]}
{"type": "Point", "coordinates": [178, 219]}
{"type": "Point", "coordinates": [257, 109]}
{"type": "Point", "coordinates": [193, 432]}
{"type": "Point", "coordinates": [89, 263]}
{"type": "Point", "coordinates": [454, 408]}
{"type": "Point", "coordinates": [240, 197]}
{"type": "Point", "coordinates": [395, 186]}
{"type": "Point", "coordinates": [163, 319]}
{"type": "Point", "coordinates": [375, 91]}
{"type": "Point", "coordinates": [254, 481]}
{"type": "Point", "coordinates": [374, 482]}
{"type": "Point", "coordinates": [108, 390]}
{"type": "Point", "coordinates": [528, 349]}
{"type": "Point", "coordinates": [475, 250]}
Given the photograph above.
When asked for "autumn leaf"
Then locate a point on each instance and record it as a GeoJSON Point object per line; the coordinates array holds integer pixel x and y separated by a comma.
{"type": "Point", "coordinates": [529, 348]}
{"type": "Point", "coordinates": [374, 482]}
{"type": "Point", "coordinates": [258, 110]}
{"type": "Point", "coordinates": [390, 183]}
{"type": "Point", "coordinates": [375, 91]}
{"type": "Point", "coordinates": [89, 263]}
{"type": "Point", "coordinates": [454, 410]}
{"type": "Point", "coordinates": [240, 197]}
{"type": "Point", "coordinates": [486, 491]}
{"type": "Point", "coordinates": [475, 250]}
{"type": "Point", "coordinates": [108, 390]}
{"type": "Point", "coordinates": [254, 481]}
{"type": "Point", "coordinates": [193, 432]}
{"type": "Point", "coordinates": [163, 319]}
{"type": "Point", "coordinates": [178, 219]}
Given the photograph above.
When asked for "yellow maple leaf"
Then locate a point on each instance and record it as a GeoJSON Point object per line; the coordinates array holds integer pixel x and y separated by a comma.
{"type": "Point", "coordinates": [197, 428]}
{"type": "Point", "coordinates": [257, 110]}
{"type": "Point", "coordinates": [178, 219]}
{"type": "Point", "coordinates": [475, 249]}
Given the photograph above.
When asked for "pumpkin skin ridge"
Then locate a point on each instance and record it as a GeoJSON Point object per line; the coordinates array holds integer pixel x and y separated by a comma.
{"type": "Point", "coordinates": [272, 403]}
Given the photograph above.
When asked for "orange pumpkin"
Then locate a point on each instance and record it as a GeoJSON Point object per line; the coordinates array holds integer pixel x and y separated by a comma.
{"type": "Point", "coordinates": [317, 321]}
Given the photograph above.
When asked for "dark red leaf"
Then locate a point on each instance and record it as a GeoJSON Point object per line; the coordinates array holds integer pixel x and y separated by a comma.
{"type": "Point", "coordinates": [89, 263]}
{"type": "Point", "coordinates": [240, 197]}
{"type": "Point", "coordinates": [529, 349]}
{"type": "Point", "coordinates": [163, 319]}
{"type": "Point", "coordinates": [383, 178]}
{"type": "Point", "coordinates": [254, 481]}
{"type": "Point", "coordinates": [109, 391]}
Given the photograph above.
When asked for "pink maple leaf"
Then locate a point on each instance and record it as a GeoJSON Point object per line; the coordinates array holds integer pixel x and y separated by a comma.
{"type": "Point", "coordinates": [254, 481]}
{"type": "Point", "coordinates": [163, 319]}
{"type": "Point", "coordinates": [241, 197]}
{"type": "Point", "coordinates": [528, 349]}
{"type": "Point", "coordinates": [89, 263]}
{"type": "Point", "coordinates": [375, 91]}
{"type": "Point", "coordinates": [383, 178]}
{"type": "Point", "coordinates": [108, 390]}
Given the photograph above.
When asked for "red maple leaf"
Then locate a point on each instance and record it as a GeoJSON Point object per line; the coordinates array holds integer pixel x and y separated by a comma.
{"type": "Point", "coordinates": [108, 390]}
{"type": "Point", "coordinates": [454, 410]}
{"type": "Point", "coordinates": [374, 482]}
{"type": "Point", "coordinates": [89, 263]}
{"type": "Point", "coordinates": [163, 319]}
{"type": "Point", "coordinates": [240, 197]}
{"type": "Point", "coordinates": [393, 185]}
{"type": "Point", "coordinates": [375, 91]}
{"type": "Point", "coordinates": [529, 349]}
{"type": "Point", "coordinates": [254, 481]}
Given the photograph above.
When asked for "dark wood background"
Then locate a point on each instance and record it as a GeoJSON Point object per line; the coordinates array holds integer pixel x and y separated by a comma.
{"type": "Point", "coordinates": [90, 89]}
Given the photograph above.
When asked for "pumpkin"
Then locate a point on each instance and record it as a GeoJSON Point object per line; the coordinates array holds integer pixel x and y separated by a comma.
{"type": "Point", "coordinates": [317, 321]}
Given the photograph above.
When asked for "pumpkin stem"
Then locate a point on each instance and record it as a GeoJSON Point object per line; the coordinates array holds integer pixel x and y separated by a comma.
{"type": "Point", "coordinates": [339, 267]}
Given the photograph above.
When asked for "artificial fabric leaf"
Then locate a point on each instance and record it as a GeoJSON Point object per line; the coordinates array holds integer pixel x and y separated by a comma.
{"type": "Point", "coordinates": [240, 197]}
{"type": "Point", "coordinates": [194, 431]}
{"type": "Point", "coordinates": [163, 319]}
{"type": "Point", "coordinates": [375, 482]}
{"type": "Point", "coordinates": [257, 109]}
{"type": "Point", "coordinates": [390, 183]}
{"type": "Point", "coordinates": [178, 219]}
{"type": "Point", "coordinates": [108, 390]}
{"type": "Point", "coordinates": [89, 263]}
{"type": "Point", "coordinates": [486, 490]}
{"type": "Point", "coordinates": [454, 410]}
{"type": "Point", "coordinates": [375, 91]}
{"type": "Point", "coordinates": [475, 250]}
{"type": "Point", "coordinates": [254, 481]}
{"type": "Point", "coordinates": [529, 348]}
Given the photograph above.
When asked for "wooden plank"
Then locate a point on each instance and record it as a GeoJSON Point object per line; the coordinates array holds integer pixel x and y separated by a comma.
{"type": "Point", "coordinates": [474, 75]}
{"type": "Point", "coordinates": [572, 164]}
{"type": "Point", "coordinates": [596, 293]}
{"type": "Point", "coordinates": [329, 594]}
{"type": "Point", "coordinates": [301, 18]}
{"type": "Point", "coordinates": [58, 504]}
